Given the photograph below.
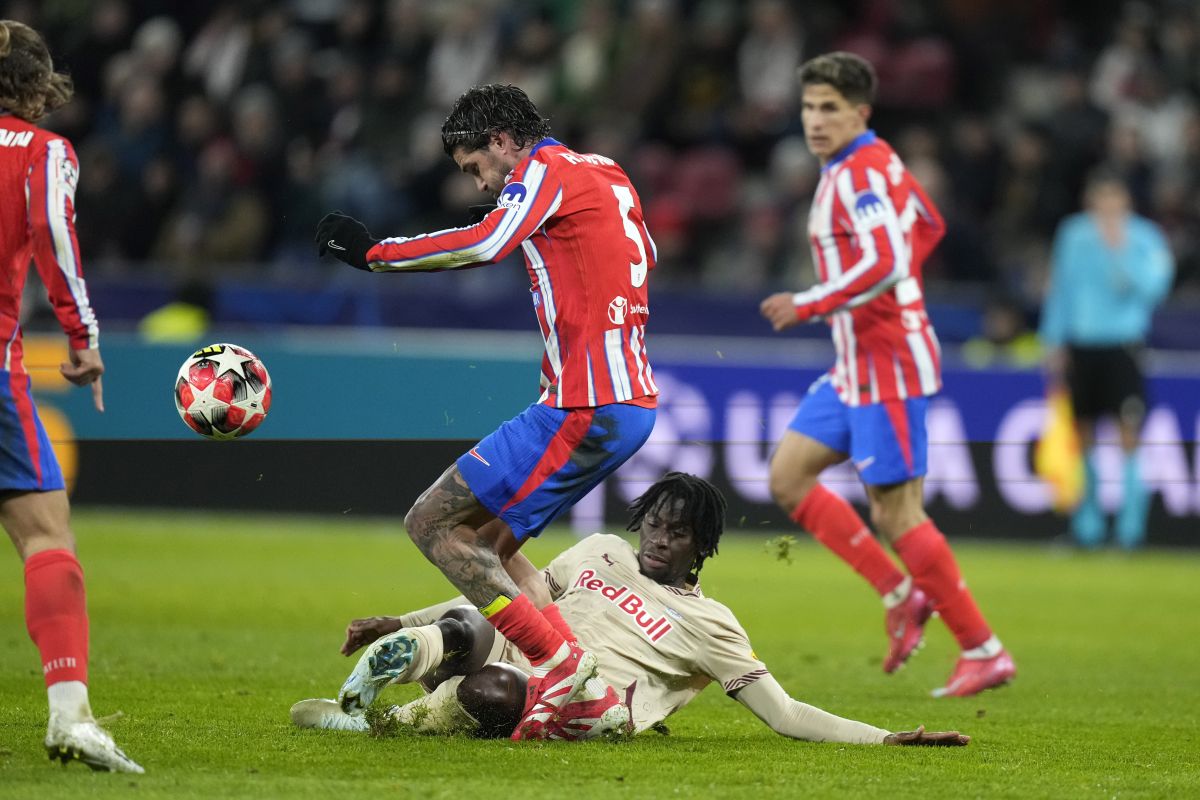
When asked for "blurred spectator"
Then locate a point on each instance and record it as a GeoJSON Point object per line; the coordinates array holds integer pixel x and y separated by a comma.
{"type": "Point", "coordinates": [1006, 339]}
{"type": "Point", "coordinates": [185, 319]}
{"type": "Point", "coordinates": [217, 220]}
{"type": "Point", "coordinates": [327, 103]}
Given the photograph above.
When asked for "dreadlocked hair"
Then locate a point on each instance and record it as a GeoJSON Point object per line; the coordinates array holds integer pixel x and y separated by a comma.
{"type": "Point", "coordinates": [484, 110]}
{"type": "Point", "coordinates": [703, 509]}
{"type": "Point", "coordinates": [29, 86]}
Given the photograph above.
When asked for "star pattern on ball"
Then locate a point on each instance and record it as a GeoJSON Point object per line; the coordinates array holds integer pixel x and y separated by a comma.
{"type": "Point", "coordinates": [227, 360]}
{"type": "Point", "coordinates": [203, 399]}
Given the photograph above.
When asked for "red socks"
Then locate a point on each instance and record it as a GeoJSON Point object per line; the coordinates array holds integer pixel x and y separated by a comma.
{"type": "Point", "coordinates": [555, 618]}
{"type": "Point", "coordinates": [56, 614]}
{"type": "Point", "coordinates": [522, 624]}
{"type": "Point", "coordinates": [929, 559]}
{"type": "Point", "coordinates": [834, 523]}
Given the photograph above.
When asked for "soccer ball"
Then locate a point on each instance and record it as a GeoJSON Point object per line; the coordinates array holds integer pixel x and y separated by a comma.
{"type": "Point", "coordinates": [223, 391]}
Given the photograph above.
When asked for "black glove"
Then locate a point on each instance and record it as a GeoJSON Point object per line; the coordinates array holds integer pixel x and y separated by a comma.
{"type": "Point", "coordinates": [344, 238]}
{"type": "Point", "coordinates": [477, 213]}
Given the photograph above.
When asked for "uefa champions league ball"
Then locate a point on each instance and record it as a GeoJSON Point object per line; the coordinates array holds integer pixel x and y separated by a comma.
{"type": "Point", "coordinates": [223, 391]}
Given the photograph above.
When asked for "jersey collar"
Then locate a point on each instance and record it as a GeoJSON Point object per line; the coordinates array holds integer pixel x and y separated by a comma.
{"type": "Point", "coordinates": [862, 140]}
{"type": "Point", "coordinates": [547, 142]}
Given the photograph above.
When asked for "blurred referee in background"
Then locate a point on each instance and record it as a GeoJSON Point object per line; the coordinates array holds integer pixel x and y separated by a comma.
{"type": "Point", "coordinates": [1110, 269]}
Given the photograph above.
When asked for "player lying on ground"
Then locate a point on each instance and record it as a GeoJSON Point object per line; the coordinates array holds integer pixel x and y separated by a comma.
{"type": "Point", "coordinates": [655, 634]}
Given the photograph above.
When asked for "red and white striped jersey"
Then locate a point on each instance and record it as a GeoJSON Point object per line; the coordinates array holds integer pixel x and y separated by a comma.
{"type": "Point", "coordinates": [871, 228]}
{"type": "Point", "coordinates": [579, 223]}
{"type": "Point", "coordinates": [38, 174]}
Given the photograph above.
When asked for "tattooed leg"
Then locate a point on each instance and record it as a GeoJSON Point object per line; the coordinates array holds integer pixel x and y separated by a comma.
{"type": "Point", "coordinates": [448, 525]}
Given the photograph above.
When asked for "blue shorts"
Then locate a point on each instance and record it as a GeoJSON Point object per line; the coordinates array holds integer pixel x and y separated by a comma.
{"type": "Point", "coordinates": [886, 441]}
{"type": "Point", "coordinates": [27, 461]}
{"type": "Point", "coordinates": [541, 462]}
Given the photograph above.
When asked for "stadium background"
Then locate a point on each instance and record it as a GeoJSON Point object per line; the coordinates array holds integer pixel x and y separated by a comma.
{"type": "Point", "coordinates": [213, 136]}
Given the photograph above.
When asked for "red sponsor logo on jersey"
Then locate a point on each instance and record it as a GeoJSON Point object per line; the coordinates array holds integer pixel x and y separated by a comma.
{"type": "Point", "coordinates": [628, 601]}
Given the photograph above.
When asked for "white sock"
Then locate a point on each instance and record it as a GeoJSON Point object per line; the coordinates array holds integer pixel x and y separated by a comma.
{"type": "Point", "coordinates": [543, 669]}
{"type": "Point", "coordinates": [898, 595]}
{"type": "Point", "coordinates": [69, 700]}
{"type": "Point", "coordinates": [989, 649]}
{"type": "Point", "coordinates": [428, 656]}
{"type": "Point", "coordinates": [439, 712]}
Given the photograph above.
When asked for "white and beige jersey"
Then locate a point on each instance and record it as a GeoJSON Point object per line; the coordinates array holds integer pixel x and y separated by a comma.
{"type": "Point", "coordinates": [658, 645]}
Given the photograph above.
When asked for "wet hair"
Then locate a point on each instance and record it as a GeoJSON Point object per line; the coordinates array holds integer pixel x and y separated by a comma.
{"type": "Point", "coordinates": [29, 86]}
{"type": "Point", "coordinates": [480, 112]}
{"type": "Point", "coordinates": [703, 509]}
{"type": "Point", "coordinates": [853, 76]}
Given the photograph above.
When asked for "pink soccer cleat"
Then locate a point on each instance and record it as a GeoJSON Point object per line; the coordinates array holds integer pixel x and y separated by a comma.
{"type": "Point", "coordinates": [596, 711]}
{"type": "Point", "coordinates": [545, 697]}
{"type": "Point", "coordinates": [973, 675]}
{"type": "Point", "coordinates": [905, 626]}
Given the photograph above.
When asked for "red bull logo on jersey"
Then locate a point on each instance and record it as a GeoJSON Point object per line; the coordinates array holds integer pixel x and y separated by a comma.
{"type": "Point", "coordinates": [629, 601]}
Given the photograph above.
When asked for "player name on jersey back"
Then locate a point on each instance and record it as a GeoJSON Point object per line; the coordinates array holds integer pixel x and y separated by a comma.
{"type": "Point", "coordinates": [588, 158]}
{"type": "Point", "coordinates": [15, 138]}
{"type": "Point", "coordinates": [626, 600]}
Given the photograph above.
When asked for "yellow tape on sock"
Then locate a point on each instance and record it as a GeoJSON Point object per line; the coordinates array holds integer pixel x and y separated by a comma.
{"type": "Point", "coordinates": [496, 606]}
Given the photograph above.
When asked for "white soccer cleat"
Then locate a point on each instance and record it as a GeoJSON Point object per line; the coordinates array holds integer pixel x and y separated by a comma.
{"type": "Point", "coordinates": [326, 715]}
{"type": "Point", "coordinates": [388, 659]}
{"type": "Point", "coordinates": [84, 740]}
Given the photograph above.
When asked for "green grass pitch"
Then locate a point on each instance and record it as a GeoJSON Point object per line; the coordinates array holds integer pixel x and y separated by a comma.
{"type": "Point", "coordinates": [205, 628]}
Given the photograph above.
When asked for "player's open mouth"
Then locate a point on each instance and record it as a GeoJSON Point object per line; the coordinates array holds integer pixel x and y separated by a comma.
{"type": "Point", "coordinates": [653, 560]}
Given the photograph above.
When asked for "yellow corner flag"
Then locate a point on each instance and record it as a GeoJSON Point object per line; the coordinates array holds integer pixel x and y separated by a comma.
{"type": "Point", "coordinates": [1057, 458]}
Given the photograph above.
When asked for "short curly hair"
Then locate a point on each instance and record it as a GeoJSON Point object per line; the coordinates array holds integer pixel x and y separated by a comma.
{"type": "Point", "coordinates": [853, 76]}
{"type": "Point", "coordinates": [484, 110]}
{"type": "Point", "coordinates": [29, 86]}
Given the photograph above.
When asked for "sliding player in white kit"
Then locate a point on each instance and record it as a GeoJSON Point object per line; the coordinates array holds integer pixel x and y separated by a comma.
{"type": "Point", "coordinates": [657, 638]}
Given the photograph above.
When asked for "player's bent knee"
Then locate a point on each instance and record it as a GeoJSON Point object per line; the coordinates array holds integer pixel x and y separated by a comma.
{"type": "Point", "coordinates": [495, 697]}
{"type": "Point", "coordinates": [789, 490]}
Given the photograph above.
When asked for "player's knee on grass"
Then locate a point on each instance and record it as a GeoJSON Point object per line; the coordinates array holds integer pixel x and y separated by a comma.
{"type": "Point", "coordinates": [495, 697]}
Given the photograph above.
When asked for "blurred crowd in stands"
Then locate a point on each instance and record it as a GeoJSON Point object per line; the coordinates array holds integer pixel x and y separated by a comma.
{"type": "Point", "coordinates": [212, 136]}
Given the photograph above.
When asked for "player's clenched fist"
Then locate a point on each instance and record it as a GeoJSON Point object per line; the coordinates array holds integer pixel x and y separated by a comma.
{"type": "Point", "coordinates": [781, 311]}
{"type": "Point", "coordinates": [344, 238]}
{"type": "Point", "coordinates": [923, 738]}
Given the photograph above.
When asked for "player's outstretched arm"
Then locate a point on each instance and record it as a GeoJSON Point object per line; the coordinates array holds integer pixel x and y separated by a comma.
{"type": "Point", "coordinates": [344, 238]}
{"type": "Point", "coordinates": [790, 717]}
{"type": "Point", "coordinates": [923, 738]}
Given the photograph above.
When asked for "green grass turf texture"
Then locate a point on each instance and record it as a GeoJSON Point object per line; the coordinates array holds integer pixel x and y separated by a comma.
{"type": "Point", "coordinates": [206, 628]}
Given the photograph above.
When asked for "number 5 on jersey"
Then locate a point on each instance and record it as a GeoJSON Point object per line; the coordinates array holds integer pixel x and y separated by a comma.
{"type": "Point", "coordinates": [637, 270]}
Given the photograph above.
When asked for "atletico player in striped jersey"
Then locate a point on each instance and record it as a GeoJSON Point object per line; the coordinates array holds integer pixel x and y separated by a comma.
{"type": "Point", "coordinates": [871, 227]}
{"type": "Point", "coordinates": [38, 172]}
{"type": "Point", "coordinates": [578, 222]}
